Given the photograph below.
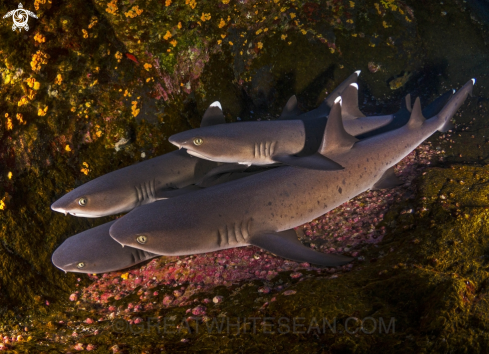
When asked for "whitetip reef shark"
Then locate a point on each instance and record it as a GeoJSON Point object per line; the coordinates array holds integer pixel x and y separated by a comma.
{"type": "Point", "coordinates": [94, 251]}
{"type": "Point", "coordinates": [263, 209]}
{"type": "Point", "coordinates": [271, 142]}
{"type": "Point", "coordinates": [124, 189]}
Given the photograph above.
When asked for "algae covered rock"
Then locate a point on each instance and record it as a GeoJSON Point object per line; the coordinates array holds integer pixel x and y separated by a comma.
{"type": "Point", "coordinates": [96, 86]}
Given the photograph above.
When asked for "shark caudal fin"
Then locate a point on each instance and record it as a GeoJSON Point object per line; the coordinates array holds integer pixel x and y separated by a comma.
{"type": "Point", "coordinates": [329, 101]}
{"type": "Point", "coordinates": [291, 110]}
{"type": "Point", "coordinates": [213, 115]}
{"type": "Point", "coordinates": [454, 104]}
{"type": "Point", "coordinates": [416, 119]}
{"type": "Point", "coordinates": [349, 104]}
{"type": "Point", "coordinates": [285, 244]}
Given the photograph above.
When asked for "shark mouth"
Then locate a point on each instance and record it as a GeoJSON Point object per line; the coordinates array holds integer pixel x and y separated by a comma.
{"type": "Point", "coordinates": [84, 215]}
{"type": "Point", "coordinates": [196, 154]}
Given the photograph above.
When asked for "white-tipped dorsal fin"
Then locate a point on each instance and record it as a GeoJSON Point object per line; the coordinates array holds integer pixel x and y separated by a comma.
{"type": "Point", "coordinates": [216, 104]}
{"type": "Point", "coordinates": [335, 136]}
{"type": "Point", "coordinates": [213, 115]}
{"type": "Point", "coordinates": [349, 104]}
{"type": "Point", "coordinates": [290, 110]}
{"type": "Point", "coordinates": [416, 119]}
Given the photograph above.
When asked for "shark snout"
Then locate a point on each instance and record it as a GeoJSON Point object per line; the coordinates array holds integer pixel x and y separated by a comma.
{"type": "Point", "coordinates": [118, 232]}
{"type": "Point", "coordinates": [177, 141]}
{"type": "Point", "coordinates": [56, 206]}
{"type": "Point", "coordinates": [57, 259]}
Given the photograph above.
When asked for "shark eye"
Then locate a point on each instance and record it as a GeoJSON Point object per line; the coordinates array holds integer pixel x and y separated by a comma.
{"type": "Point", "coordinates": [80, 265]}
{"type": "Point", "coordinates": [198, 141]}
{"type": "Point", "coordinates": [142, 239]}
{"type": "Point", "coordinates": [82, 201]}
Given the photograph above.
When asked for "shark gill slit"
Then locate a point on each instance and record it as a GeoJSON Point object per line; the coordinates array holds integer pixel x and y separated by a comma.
{"type": "Point", "coordinates": [138, 196]}
{"type": "Point", "coordinates": [272, 148]}
{"type": "Point", "coordinates": [264, 149]}
{"type": "Point", "coordinates": [145, 192]}
{"type": "Point", "coordinates": [139, 256]}
{"type": "Point", "coordinates": [238, 233]}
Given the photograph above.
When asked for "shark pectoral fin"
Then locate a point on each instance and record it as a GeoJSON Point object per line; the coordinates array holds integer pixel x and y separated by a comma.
{"type": "Point", "coordinates": [447, 126]}
{"type": "Point", "coordinates": [313, 162]}
{"type": "Point", "coordinates": [388, 180]}
{"type": "Point", "coordinates": [285, 244]}
{"type": "Point", "coordinates": [213, 115]}
{"type": "Point", "coordinates": [171, 193]}
{"type": "Point", "coordinates": [216, 173]}
{"type": "Point", "coordinates": [290, 110]}
{"type": "Point", "coordinates": [228, 167]}
{"type": "Point", "coordinates": [349, 105]}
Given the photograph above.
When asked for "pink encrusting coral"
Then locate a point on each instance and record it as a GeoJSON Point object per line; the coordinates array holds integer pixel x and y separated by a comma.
{"type": "Point", "coordinates": [182, 78]}
{"type": "Point", "coordinates": [346, 230]}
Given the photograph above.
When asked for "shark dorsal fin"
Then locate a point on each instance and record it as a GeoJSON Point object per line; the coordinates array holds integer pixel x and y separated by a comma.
{"type": "Point", "coordinates": [349, 103]}
{"type": "Point", "coordinates": [407, 102]}
{"type": "Point", "coordinates": [213, 115]}
{"type": "Point", "coordinates": [290, 110]}
{"type": "Point", "coordinates": [416, 119]}
{"type": "Point", "coordinates": [335, 136]}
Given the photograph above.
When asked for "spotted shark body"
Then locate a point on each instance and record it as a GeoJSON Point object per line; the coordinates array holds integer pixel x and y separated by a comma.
{"type": "Point", "coordinates": [282, 141]}
{"type": "Point", "coordinates": [263, 209]}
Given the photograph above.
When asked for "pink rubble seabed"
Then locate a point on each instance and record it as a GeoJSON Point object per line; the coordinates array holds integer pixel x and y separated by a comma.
{"type": "Point", "coordinates": [346, 230]}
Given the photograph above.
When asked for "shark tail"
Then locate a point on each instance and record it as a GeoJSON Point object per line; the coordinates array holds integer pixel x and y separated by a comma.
{"type": "Point", "coordinates": [349, 105]}
{"type": "Point", "coordinates": [453, 105]}
{"type": "Point", "coordinates": [330, 100]}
